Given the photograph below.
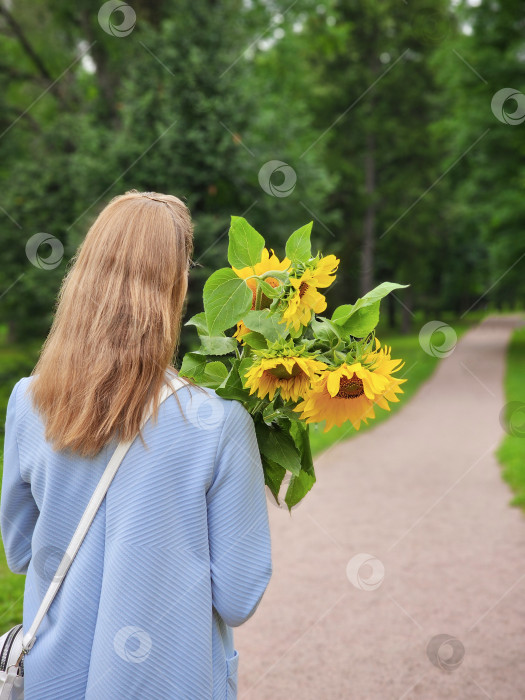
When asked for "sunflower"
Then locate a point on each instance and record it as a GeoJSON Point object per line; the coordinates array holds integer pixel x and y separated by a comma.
{"type": "Point", "coordinates": [350, 391]}
{"type": "Point", "coordinates": [305, 298]}
{"type": "Point", "coordinates": [269, 261]}
{"type": "Point", "coordinates": [385, 366]}
{"type": "Point", "coordinates": [292, 375]}
{"type": "Point", "coordinates": [242, 330]}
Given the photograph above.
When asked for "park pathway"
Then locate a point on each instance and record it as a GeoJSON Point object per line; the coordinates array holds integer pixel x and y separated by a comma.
{"type": "Point", "coordinates": [421, 494]}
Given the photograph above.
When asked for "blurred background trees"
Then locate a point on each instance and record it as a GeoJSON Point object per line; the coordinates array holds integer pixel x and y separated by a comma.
{"type": "Point", "coordinates": [374, 120]}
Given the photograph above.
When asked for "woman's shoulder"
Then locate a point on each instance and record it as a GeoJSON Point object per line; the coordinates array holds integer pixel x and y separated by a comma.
{"type": "Point", "coordinates": [19, 393]}
{"type": "Point", "coordinates": [206, 409]}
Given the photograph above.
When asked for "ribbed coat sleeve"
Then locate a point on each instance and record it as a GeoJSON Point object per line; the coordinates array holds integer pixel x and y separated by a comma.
{"type": "Point", "coordinates": [238, 525]}
{"type": "Point", "coordinates": [18, 510]}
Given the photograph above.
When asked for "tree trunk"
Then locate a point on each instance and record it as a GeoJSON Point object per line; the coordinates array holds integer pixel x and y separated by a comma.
{"type": "Point", "coordinates": [391, 306]}
{"type": "Point", "coordinates": [406, 312]}
{"type": "Point", "coordinates": [368, 246]}
{"type": "Point", "coordinates": [11, 331]}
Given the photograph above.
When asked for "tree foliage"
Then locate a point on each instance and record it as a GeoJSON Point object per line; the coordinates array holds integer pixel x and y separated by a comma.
{"type": "Point", "coordinates": [372, 119]}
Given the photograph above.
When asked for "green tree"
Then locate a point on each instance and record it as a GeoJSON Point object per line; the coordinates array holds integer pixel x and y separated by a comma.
{"type": "Point", "coordinates": [375, 102]}
{"type": "Point", "coordinates": [487, 206]}
{"type": "Point", "coordinates": [155, 109]}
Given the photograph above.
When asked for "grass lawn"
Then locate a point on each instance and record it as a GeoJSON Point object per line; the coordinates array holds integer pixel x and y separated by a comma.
{"type": "Point", "coordinates": [15, 362]}
{"type": "Point", "coordinates": [11, 596]}
{"type": "Point", "coordinates": [511, 452]}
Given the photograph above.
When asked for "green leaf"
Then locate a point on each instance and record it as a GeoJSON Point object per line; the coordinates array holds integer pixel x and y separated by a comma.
{"type": "Point", "coordinates": [363, 321]}
{"type": "Point", "coordinates": [250, 402]}
{"type": "Point", "coordinates": [298, 246]}
{"type": "Point", "coordinates": [255, 340]}
{"type": "Point", "coordinates": [278, 446]}
{"type": "Point", "coordinates": [233, 388]}
{"type": "Point", "coordinates": [298, 488]}
{"type": "Point", "coordinates": [272, 413]}
{"type": "Point", "coordinates": [280, 275]}
{"type": "Point", "coordinates": [226, 299]}
{"type": "Point", "coordinates": [326, 330]}
{"type": "Point", "coordinates": [246, 244]}
{"type": "Point", "coordinates": [216, 345]}
{"type": "Point", "coordinates": [244, 365]}
{"type": "Point", "coordinates": [295, 333]}
{"type": "Point", "coordinates": [228, 392]}
{"type": "Point", "coordinates": [192, 365]}
{"type": "Point", "coordinates": [267, 323]}
{"type": "Point", "coordinates": [367, 308]}
{"type": "Point", "coordinates": [301, 435]}
{"type": "Point", "coordinates": [214, 374]}
{"type": "Point", "coordinates": [302, 483]}
{"type": "Point", "coordinates": [199, 321]}
{"type": "Point", "coordinates": [343, 313]}
{"type": "Point", "coordinates": [268, 290]}
{"type": "Point", "coordinates": [273, 476]}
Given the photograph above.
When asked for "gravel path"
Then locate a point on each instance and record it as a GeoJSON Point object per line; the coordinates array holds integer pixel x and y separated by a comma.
{"type": "Point", "coordinates": [422, 496]}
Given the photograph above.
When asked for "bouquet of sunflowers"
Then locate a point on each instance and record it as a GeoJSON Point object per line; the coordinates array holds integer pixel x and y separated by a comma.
{"type": "Point", "coordinates": [287, 365]}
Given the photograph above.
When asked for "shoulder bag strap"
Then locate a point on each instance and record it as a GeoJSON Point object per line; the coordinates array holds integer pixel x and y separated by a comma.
{"type": "Point", "coordinates": [89, 514]}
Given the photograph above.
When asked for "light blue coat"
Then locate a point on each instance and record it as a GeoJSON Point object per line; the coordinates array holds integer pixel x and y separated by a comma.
{"type": "Point", "coordinates": [178, 554]}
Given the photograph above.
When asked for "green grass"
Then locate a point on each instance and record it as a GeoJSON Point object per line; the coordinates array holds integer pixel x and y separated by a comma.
{"type": "Point", "coordinates": [511, 452]}
{"type": "Point", "coordinates": [15, 362]}
{"type": "Point", "coordinates": [11, 595]}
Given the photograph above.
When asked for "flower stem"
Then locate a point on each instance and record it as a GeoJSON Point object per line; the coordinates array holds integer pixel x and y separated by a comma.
{"type": "Point", "coordinates": [258, 297]}
{"type": "Point", "coordinates": [257, 407]}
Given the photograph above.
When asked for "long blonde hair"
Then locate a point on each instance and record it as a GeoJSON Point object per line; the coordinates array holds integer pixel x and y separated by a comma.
{"type": "Point", "coordinates": [117, 323]}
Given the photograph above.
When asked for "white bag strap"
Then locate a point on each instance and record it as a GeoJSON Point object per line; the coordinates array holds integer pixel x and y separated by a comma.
{"type": "Point", "coordinates": [89, 514]}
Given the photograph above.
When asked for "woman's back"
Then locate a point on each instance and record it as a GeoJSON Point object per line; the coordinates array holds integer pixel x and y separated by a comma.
{"type": "Point", "coordinates": [178, 553]}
